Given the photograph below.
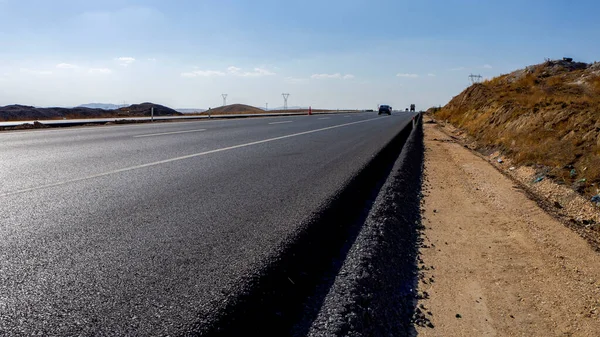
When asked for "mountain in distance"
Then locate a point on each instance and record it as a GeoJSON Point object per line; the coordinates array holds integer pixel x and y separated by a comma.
{"type": "Point", "coordinates": [110, 106]}
{"type": "Point", "coordinates": [233, 109]}
{"type": "Point", "coordinates": [103, 106]}
{"type": "Point", "coordinates": [296, 107]}
{"type": "Point", "coordinates": [289, 108]}
{"type": "Point", "coordinates": [190, 110]}
{"type": "Point", "coordinates": [144, 109]}
{"type": "Point", "coordinates": [17, 112]}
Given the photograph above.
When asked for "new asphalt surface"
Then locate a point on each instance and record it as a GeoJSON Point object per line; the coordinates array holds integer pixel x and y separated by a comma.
{"type": "Point", "coordinates": [136, 229]}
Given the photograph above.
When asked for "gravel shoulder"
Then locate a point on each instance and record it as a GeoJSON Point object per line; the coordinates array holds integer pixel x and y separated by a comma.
{"type": "Point", "coordinates": [493, 262]}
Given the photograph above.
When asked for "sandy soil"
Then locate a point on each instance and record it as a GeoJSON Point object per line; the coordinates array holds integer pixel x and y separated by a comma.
{"type": "Point", "coordinates": [493, 262]}
{"type": "Point", "coordinates": [554, 195]}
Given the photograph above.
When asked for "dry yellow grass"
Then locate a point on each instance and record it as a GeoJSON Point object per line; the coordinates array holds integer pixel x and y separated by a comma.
{"type": "Point", "coordinates": [544, 115]}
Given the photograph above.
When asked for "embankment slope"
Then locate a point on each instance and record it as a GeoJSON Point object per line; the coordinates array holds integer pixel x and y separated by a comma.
{"type": "Point", "coordinates": [545, 115]}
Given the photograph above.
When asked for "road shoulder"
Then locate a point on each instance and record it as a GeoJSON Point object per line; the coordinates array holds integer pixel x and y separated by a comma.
{"type": "Point", "coordinates": [494, 262]}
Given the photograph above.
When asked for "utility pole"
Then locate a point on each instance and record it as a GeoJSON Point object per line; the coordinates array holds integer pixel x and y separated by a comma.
{"type": "Point", "coordinates": [285, 100]}
{"type": "Point", "coordinates": [224, 99]}
{"type": "Point", "coordinates": [475, 78]}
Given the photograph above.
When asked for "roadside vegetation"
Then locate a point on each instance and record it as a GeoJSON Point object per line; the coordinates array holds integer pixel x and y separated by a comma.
{"type": "Point", "coordinates": [545, 115]}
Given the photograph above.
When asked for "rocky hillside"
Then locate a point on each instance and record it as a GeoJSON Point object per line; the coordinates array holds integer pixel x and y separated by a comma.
{"type": "Point", "coordinates": [546, 115]}
{"type": "Point", "coordinates": [144, 109]}
{"type": "Point", "coordinates": [23, 112]}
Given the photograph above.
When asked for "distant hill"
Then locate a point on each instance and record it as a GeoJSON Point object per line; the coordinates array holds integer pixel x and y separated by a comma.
{"type": "Point", "coordinates": [144, 109]}
{"type": "Point", "coordinates": [104, 106]}
{"type": "Point", "coordinates": [234, 109]}
{"type": "Point", "coordinates": [545, 115]}
{"type": "Point", "coordinates": [295, 107]}
{"type": "Point", "coordinates": [23, 112]}
{"type": "Point", "coordinates": [190, 110]}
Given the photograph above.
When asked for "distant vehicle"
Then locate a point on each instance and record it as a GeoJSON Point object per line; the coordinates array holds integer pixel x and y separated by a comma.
{"type": "Point", "coordinates": [406, 109]}
{"type": "Point", "coordinates": [385, 109]}
{"type": "Point", "coordinates": [412, 108]}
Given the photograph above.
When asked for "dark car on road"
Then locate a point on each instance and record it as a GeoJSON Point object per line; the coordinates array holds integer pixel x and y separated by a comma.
{"type": "Point", "coordinates": [385, 109]}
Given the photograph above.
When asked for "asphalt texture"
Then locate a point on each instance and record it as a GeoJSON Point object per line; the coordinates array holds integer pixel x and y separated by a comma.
{"type": "Point", "coordinates": [143, 229]}
{"type": "Point", "coordinates": [374, 291]}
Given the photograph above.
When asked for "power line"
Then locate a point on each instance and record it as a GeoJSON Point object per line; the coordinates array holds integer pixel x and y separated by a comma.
{"type": "Point", "coordinates": [285, 100]}
{"type": "Point", "coordinates": [224, 99]}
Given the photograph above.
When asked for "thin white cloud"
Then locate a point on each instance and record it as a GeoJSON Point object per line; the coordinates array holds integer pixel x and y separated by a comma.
{"type": "Point", "coordinates": [323, 76]}
{"type": "Point", "coordinates": [152, 59]}
{"type": "Point", "coordinates": [431, 75]}
{"type": "Point", "coordinates": [122, 19]}
{"type": "Point", "coordinates": [36, 72]}
{"type": "Point", "coordinates": [99, 71]}
{"type": "Point", "coordinates": [407, 75]}
{"type": "Point", "coordinates": [258, 72]}
{"type": "Point", "coordinates": [125, 61]}
{"type": "Point", "coordinates": [203, 73]}
{"type": "Point", "coordinates": [457, 69]}
{"type": "Point", "coordinates": [296, 80]}
{"type": "Point", "coordinates": [329, 76]}
{"type": "Point", "coordinates": [487, 66]}
{"type": "Point", "coordinates": [234, 70]}
{"type": "Point", "coordinates": [66, 66]}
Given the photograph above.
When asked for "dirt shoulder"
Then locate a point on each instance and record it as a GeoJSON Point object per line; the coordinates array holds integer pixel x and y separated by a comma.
{"type": "Point", "coordinates": [493, 262]}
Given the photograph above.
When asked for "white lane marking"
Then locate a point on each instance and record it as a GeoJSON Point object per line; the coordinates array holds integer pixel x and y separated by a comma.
{"type": "Point", "coordinates": [324, 118]}
{"type": "Point", "coordinates": [168, 133]}
{"type": "Point", "coordinates": [347, 116]}
{"type": "Point", "coordinates": [137, 167]}
{"type": "Point", "coordinates": [280, 122]}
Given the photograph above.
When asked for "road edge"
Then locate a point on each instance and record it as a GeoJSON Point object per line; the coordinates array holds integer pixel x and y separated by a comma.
{"type": "Point", "coordinates": [374, 293]}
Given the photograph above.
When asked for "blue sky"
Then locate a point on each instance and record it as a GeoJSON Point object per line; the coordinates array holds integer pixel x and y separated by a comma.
{"type": "Point", "coordinates": [332, 54]}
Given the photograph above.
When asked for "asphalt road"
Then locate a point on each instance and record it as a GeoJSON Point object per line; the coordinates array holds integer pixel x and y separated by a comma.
{"type": "Point", "coordinates": [134, 229]}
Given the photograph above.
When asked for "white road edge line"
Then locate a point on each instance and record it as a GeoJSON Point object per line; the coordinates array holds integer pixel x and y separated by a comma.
{"type": "Point", "coordinates": [324, 118]}
{"type": "Point", "coordinates": [168, 133]}
{"type": "Point", "coordinates": [280, 122]}
{"type": "Point", "coordinates": [137, 167]}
